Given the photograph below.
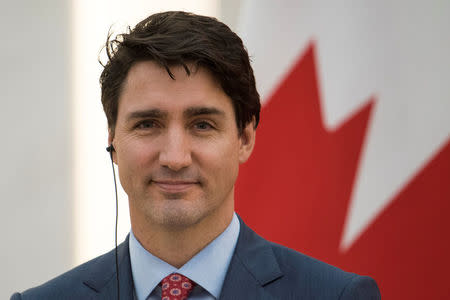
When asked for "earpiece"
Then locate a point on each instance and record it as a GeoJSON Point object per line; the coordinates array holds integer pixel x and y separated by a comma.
{"type": "Point", "coordinates": [110, 149]}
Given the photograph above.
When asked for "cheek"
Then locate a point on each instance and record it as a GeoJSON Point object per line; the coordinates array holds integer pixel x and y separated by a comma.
{"type": "Point", "coordinates": [221, 160]}
{"type": "Point", "coordinates": [131, 158]}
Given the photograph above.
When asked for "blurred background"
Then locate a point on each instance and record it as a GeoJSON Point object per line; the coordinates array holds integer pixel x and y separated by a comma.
{"type": "Point", "coordinates": [352, 163]}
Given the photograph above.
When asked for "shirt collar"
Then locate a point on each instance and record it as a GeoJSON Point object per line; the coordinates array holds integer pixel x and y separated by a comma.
{"type": "Point", "coordinates": [207, 268]}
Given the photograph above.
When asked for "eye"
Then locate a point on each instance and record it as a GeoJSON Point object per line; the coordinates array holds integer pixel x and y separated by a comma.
{"type": "Point", "coordinates": [203, 125]}
{"type": "Point", "coordinates": [146, 124]}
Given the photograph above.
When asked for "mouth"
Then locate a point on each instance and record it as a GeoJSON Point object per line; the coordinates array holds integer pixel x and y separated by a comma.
{"type": "Point", "coordinates": [169, 186]}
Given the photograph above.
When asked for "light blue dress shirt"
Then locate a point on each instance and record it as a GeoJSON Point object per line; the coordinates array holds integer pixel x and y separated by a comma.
{"type": "Point", "coordinates": [207, 268]}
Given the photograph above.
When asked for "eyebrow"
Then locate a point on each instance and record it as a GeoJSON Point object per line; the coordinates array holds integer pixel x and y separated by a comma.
{"type": "Point", "coordinates": [160, 114]}
{"type": "Point", "coordinates": [143, 114]}
{"type": "Point", "coordinates": [198, 111]}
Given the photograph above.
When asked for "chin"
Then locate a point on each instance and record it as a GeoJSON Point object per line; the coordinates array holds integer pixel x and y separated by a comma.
{"type": "Point", "coordinates": [177, 214]}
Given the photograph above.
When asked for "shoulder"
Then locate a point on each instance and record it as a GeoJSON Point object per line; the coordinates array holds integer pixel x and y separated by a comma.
{"type": "Point", "coordinates": [319, 278]}
{"type": "Point", "coordinates": [288, 274]}
{"type": "Point", "coordinates": [73, 284]}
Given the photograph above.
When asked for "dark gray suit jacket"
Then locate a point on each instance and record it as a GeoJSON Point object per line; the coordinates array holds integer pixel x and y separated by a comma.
{"type": "Point", "coordinates": [259, 270]}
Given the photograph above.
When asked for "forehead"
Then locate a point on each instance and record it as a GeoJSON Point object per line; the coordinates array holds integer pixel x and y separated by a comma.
{"type": "Point", "coordinates": [148, 85]}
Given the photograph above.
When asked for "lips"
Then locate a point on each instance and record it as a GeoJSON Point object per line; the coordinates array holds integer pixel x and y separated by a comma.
{"type": "Point", "coordinates": [169, 186]}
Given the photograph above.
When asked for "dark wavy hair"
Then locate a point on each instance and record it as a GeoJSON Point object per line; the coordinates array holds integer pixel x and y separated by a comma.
{"type": "Point", "coordinates": [177, 38]}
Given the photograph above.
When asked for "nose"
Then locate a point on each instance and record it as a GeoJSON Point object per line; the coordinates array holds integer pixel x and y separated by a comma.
{"type": "Point", "coordinates": [175, 153]}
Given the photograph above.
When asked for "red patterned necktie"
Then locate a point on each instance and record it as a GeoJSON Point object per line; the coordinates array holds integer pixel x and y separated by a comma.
{"type": "Point", "coordinates": [176, 287]}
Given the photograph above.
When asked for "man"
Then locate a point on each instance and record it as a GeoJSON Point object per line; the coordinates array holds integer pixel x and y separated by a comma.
{"type": "Point", "coordinates": [182, 108]}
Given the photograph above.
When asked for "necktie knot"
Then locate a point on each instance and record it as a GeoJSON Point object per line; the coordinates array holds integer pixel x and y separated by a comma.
{"type": "Point", "coordinates": [176, 287]}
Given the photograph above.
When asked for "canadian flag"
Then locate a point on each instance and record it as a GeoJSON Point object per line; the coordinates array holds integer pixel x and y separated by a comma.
{"type": "Point", "coordinates": [352, 156]}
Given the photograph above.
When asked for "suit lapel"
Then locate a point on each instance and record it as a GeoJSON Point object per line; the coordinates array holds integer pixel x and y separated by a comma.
{"type": "Point", "coordinates": [103, 280]}
{"type": "Point", "coordinates": [252, 267]}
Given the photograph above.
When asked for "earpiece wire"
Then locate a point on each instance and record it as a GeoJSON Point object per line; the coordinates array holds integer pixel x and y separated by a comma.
{"type": "Point", "coordinates": [117, 221]}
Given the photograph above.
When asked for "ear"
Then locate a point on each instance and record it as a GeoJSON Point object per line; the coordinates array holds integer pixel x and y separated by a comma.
{"type": "Point", "coordinates": [110, 142]}
{"type": "Point", "coordinates": [247, 141]}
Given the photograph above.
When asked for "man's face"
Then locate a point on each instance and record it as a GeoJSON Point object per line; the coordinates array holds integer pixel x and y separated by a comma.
{"type": "Point", "coordinates": [177, 146]}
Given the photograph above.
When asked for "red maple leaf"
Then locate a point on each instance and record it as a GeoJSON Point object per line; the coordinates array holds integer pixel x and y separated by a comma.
{"type": "Point", "coordinates": [295, 190]}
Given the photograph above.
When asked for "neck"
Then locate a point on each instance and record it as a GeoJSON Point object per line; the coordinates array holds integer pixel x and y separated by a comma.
{"type": "Point", "coordinates": [177, 245]}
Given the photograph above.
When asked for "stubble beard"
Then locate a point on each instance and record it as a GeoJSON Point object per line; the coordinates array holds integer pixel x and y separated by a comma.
{"type": "Point", "coordinates": [174, 211]}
